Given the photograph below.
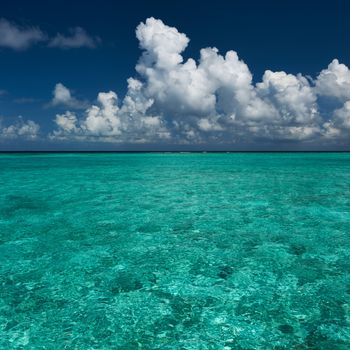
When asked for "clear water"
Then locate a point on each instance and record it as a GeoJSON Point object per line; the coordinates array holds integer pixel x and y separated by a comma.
{"type": "Point", "coordinates": [175, 251]}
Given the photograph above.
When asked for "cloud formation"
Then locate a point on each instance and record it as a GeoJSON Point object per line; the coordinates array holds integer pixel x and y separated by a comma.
{"type": "Point", "coordinates": [213, 99]}
{"type": "Point", "coordinates": [24, 129]}
{"type": "Point", "coordinates": [78, 38]}
{"type": "Point", "coordinates": [17, 37]}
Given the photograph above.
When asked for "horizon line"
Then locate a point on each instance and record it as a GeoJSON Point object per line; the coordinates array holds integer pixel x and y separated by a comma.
{"type": "Point", "coordinates": [175, 151]}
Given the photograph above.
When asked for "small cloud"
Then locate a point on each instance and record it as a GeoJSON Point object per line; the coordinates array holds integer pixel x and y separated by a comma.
{"type": "Point", "coordinates": [19, 38]}
{"type": "Point", "coordinates": [62, 96]}
{"type": "Point", "coordinates": [25, 129]}
{"type": "Point", "coordinates": [78, 38]}
{"type": "Point", "coordinates": [25, 100]}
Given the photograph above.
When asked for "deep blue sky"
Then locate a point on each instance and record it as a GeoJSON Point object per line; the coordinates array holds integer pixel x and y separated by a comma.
{"type": "Point", "coordinates": [294, 36]}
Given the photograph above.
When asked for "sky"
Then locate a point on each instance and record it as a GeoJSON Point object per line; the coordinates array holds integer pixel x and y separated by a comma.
{"type": "Point", "coordinates": [185, 75]}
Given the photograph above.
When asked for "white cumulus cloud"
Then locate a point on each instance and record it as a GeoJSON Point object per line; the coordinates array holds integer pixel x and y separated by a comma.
{"type": "Point", "coordinates": [108, 122]}
{"type": "Point", "coordinates": [334, 81]}
{"type": "Point", "coordinates": [213, 99]}
{"type": "Point", "coordinates": [24, 129]}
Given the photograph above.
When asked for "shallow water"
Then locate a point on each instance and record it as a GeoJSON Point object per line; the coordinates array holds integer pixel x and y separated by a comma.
{"type": "Point", "coordinates": [175, 251]}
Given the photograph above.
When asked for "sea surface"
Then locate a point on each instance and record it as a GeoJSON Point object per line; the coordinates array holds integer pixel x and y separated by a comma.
{"type": "Point", "coordinates": [175, 251]}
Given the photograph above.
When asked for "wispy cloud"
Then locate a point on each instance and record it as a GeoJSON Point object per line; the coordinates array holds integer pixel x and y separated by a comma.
{"type": "Point", "coordinates": [19, 37]}
{"type": "Point", "coordinates": [25, 100]}
{"type": "Point", "coordinates": [78, 38]}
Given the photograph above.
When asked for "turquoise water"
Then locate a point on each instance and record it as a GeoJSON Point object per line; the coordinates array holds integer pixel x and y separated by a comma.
{"type": "Point", "coordinates": [175, 251]}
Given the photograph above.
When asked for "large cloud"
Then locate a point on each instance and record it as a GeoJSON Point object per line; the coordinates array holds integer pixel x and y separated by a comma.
{"type": "Point", "coordinates": [213, 99]}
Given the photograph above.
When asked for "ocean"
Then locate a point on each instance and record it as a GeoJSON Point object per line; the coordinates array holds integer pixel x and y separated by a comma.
{"type": "Point", "coordinates": [175, 251]}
